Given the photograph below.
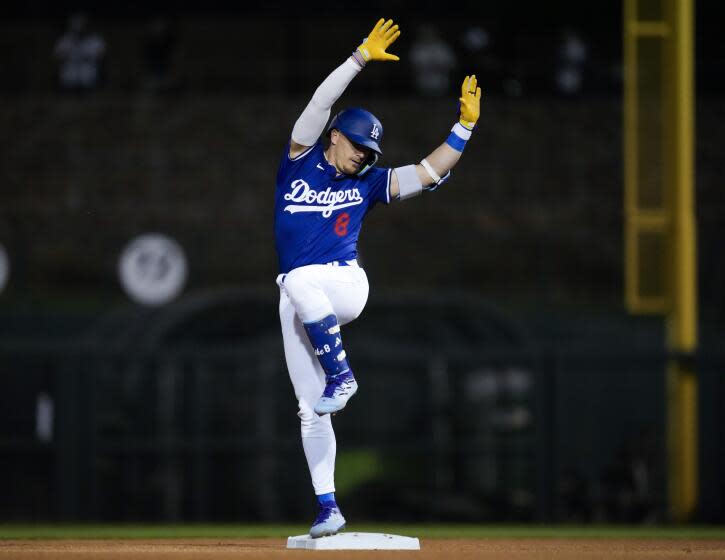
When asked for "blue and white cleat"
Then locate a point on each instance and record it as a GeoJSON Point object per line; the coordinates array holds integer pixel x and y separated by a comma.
{"type": "Point", "coordinates": [337, 392]}
{"type": "Point", "coordinates": [329, 522]}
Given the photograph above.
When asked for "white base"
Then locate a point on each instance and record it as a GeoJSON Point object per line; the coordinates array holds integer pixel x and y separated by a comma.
{"type": "Point", "coordinates": [355, 541]}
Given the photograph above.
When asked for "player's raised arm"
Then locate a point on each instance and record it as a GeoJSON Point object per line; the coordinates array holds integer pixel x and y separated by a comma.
{"type": "Point", "coordinates": [435, 168]}
{"type": "Point", "coordinates": [311, 123]}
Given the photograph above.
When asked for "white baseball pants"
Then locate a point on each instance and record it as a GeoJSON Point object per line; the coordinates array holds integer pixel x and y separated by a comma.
{"type": "Point", "coordinates": [310, 293]}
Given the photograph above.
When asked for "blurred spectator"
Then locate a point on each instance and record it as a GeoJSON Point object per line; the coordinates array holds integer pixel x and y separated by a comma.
{"type": "Point", "coordinates": [158, 52]}
{"type": "Point", "coordinates": [572, 57]}
{"type": "Point", "coordinates": [432, 59]}
{"type": "Point", "coordinates": [516, 61]}
{"type": "Point", "coordinates": [476, 49]}
{"type": "Point", "coordinates": [476, 38]}
{"type": "Point", "coordinates": [81, 54]}
{"type": "Point", "coordinates": [573, 497]}
{"type": "Point", "coordinates": [628, 482]}
{"type": "Point", "coordinates": [479, 53]}
{"type": "Point", "coordinates": [474, 52]}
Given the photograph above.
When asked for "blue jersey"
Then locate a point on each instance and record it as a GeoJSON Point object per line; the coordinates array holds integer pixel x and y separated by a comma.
{"type": "Point", "coordinates": [317, 213]}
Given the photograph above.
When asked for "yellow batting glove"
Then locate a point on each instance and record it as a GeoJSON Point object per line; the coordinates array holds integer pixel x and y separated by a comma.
{"type": "Point", "coordinates": [470, 102]}
{"type": "Point", "coordinates": [381, 37]}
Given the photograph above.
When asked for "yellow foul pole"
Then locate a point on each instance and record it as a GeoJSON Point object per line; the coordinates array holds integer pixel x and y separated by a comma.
{"type": "Point", "coordinates": [660, 232]}
{"type": "Point", "coordinates": [682, 319]}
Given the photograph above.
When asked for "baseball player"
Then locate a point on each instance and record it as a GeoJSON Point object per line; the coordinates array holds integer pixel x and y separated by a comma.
{"type": "Point", "coordinates": [326, 185]}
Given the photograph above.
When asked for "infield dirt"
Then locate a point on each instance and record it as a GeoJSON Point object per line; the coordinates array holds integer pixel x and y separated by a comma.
{"type": "Point", "coordinates": [431, 549]}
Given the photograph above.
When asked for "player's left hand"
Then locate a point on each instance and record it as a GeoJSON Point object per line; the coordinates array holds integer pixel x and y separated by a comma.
{"type": "Point", "coordinates": [381, 37]}
{"type": "Point", "coordinates": [470, 102]}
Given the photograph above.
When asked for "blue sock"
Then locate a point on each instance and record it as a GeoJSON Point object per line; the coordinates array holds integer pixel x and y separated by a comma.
{"type": "Point", "coordinates": [327, 499]}
{"type": "Point", "coordinates": [325, 338]}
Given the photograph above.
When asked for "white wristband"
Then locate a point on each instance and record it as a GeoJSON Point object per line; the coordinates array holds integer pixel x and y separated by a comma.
{"type": "Point", "coordinates": [461, 131]}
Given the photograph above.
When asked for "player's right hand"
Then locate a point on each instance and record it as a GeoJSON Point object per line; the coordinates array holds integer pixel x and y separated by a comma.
{"type": "Point", "coordinates": [381, 37]}
{"type": "Point", "coordinates": [470, 102]}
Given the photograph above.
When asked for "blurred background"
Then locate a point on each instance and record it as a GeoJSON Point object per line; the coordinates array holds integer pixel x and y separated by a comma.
{"type": "Point", "coordinates": [502, 378]}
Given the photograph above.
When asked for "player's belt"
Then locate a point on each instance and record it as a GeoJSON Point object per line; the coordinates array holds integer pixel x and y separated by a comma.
{"type": "Point", "coordinates": [343, 263]}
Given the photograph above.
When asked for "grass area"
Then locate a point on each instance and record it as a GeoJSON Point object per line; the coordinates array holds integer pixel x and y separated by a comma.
{"type": "Point", "coordinates": [443, 531]}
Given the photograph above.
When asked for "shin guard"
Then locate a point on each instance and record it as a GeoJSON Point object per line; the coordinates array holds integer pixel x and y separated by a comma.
{"type": "Point", "coordinates": [326, 340]}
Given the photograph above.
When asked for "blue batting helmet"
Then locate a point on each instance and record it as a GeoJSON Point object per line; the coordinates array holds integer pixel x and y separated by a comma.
{"type": "Point", "coordinates": [362, 128]}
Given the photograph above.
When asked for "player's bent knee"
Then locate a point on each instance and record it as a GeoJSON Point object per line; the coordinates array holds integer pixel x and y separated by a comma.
{"type": "Point", "coordinates": [351, 309]}
{"type": "Point", "coordinates": [359, 309]}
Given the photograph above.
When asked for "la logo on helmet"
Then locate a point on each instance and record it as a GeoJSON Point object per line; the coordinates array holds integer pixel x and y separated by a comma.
{"type": "Point", "coordinates": [375, 132]}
